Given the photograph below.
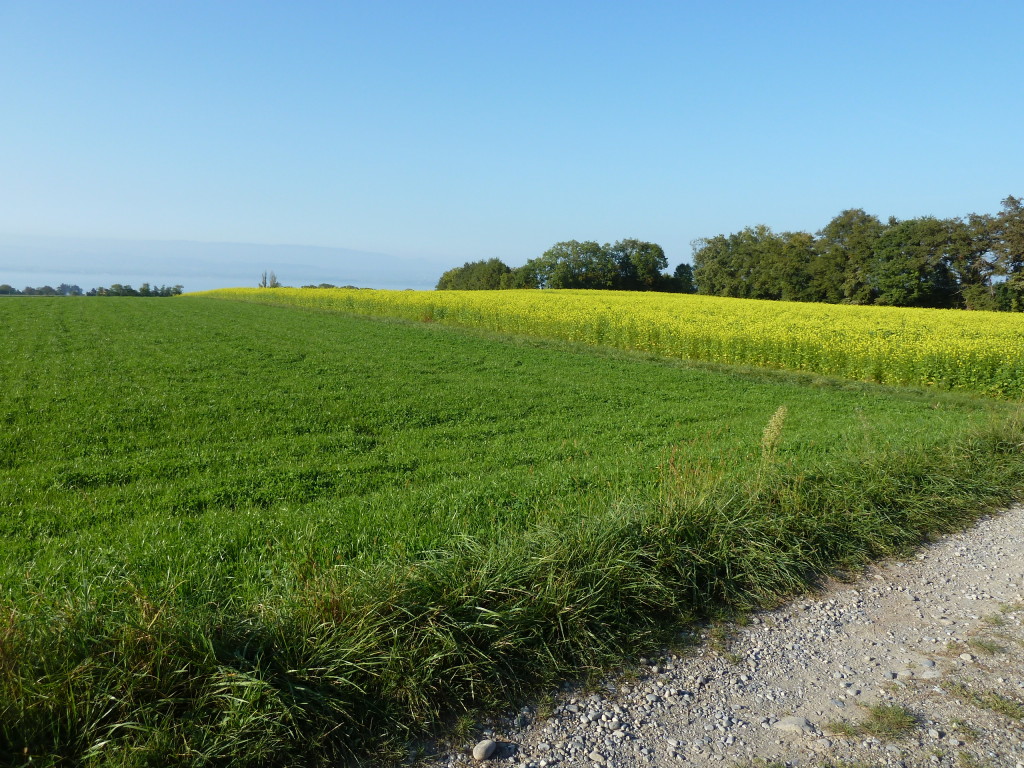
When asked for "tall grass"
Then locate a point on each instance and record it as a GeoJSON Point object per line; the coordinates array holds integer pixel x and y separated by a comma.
{"type": "Point", "coordinates": [354, 662]}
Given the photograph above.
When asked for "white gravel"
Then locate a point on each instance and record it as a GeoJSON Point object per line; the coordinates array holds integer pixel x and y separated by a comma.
{"type": "Point", "coordinates": [939, 635]}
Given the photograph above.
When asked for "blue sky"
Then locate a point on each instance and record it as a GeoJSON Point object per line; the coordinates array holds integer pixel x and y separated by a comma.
{"type": "Point", "coordinates": [451, 131]}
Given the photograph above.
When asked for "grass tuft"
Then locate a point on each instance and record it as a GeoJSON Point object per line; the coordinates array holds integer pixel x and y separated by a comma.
{"type": "Point", "coordinates": [883, 721]}
{"type": "Point", "coordinates": [988, 647]}
{"type": "Point", "coordinates": [772, 436]}
{"type": "Point", "coordinates": [889, 721]}
{"type": "Point", "coordinates": [989, 700]}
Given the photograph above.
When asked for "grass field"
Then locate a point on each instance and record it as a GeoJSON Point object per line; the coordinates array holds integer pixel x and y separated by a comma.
{"type": "Point", "coordinates": [255, 535]}
{"type": "Point", "coordinates": [979, 352]}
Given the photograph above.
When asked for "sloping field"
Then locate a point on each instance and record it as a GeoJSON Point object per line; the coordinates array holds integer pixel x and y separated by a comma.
{"type": "Point", "coordinates": [947, 349]}
{"type": "Point", "coordinates": [239, 534]}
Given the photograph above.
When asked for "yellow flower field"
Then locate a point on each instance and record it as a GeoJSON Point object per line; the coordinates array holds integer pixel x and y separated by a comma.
{"type": "Point", "coordinates": [949, 349]}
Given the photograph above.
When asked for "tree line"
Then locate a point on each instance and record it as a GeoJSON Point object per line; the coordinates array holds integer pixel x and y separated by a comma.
{"type": "Point", "coordinates": [972, 262]}
{"type": "Point", "coordinates": [627, 265]}
{"type": "Point", "coordinates": [114, 290]}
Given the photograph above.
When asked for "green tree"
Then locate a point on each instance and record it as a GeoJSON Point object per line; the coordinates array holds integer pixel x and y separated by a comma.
{"type": "Point", "coordinates": [845, 258]}
{"type": "Point", "coordinates": [753, 263]}
{"type": "Point", "coordinates": [796, 252]}
{"type": "Point", "coordinates": [713, 269]}
{"type": "Point", "coordinates": [774, 266]}
{"type": "Point", "coordinates": [572, 264]}
{"type": "Point", "coordinates": [525, 276]}
{"type": "Point", "coordinates": [629, 264]}
{"type": "Point", "coordinates": [746, 248]}
{"type": "Point", "coordinates": [683, 276]}
{"type": "Point", "coordinates": [969, 256]}
{"type": "Point", "coordinates": [911, 267]}
{"type": "Point", "coordinates": [1008, 249]}
{"type": "Point", "coordinates": [640, 264]}
{"type": "Point", "coordinates": [857, 259]}
{"type": "Point", "coordinates": [475, 276]}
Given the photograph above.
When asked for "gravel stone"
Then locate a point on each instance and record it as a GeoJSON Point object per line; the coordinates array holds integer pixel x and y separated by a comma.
{"type": "Point", "coordinates": [794, 724]}
{"type": "Point", "coordinates": [484, 750]}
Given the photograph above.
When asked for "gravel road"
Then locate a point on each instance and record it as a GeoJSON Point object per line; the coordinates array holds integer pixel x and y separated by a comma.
{"type": "Point", "coordinates": [916, 663]}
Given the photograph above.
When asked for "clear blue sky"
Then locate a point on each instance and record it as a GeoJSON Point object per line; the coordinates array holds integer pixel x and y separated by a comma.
{"type": "Point", "coordinates": [452, 131]}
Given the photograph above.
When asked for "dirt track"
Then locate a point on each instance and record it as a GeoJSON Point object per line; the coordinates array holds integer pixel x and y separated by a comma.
{"type": "Point", "coordinates": [938, 638]}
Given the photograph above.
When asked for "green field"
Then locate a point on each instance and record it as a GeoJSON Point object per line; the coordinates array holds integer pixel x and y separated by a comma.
{"type": "Point", "coordinates": [254, 535]}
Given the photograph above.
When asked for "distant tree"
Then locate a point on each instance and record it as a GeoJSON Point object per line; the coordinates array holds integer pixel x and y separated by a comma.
{"type": "Point", "coordinates": [1009, 240]}
{"type": "Point", "coordinates": [986, 297]}
{"type": "Point", "coordinates": [69, 290]}
{"type": "Point", "coordinates": [572, 264]}
{"type": "Point", "coordinates": [263, 281]}
{"type": "Point", "coordinates": [1008, 248]}
{"type": "Point", "coordinates": [712, 266]}
{"type": "Point", "coordinates": [911, 266]}
{"type": "Point", "coordinates": [640, 264]}
{"type": "Point", "coordinates": [9, 290]}
{"type": "Point", "coordinates": [976, 262]}
{"type": "Point", "coordinates": [749, 264]}
{"type": "Point", "coordinates": [273, 283]}
{"type": "Point", "coordinates": [684, 278]}
{"type": "Point", "coordinates": [793, 254]}
{"type": "Point", "coordinates": [475, 276]}
{"type": "Point", "coordinates": [846, 253]}
{"type": "Point", "coordinates": [627, 265]}
{"type": "Point", "coordinates": [525, 276]}
{"type": "Point", "coordinates": [116, 289]}
{"type": "Point", "coordinates": [968, 254]}
{"type": "Point", "coordinates": [753, 250]}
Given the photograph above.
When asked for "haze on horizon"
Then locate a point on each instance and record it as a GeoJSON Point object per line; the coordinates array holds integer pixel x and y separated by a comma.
{"type": "Point", "coordinates": [201, 144]}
